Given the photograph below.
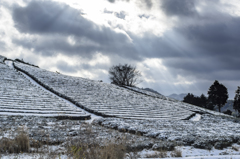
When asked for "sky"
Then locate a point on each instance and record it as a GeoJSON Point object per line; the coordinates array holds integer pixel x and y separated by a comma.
{"type": "Point", "coordinates": [180, 46]}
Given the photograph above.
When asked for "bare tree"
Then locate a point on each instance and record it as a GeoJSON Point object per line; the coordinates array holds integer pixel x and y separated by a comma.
{"type": "Point", "coordinates": [126, 75]}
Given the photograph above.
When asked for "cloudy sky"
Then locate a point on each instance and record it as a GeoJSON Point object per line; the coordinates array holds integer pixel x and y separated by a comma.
{"type": "Point", "coordinates": [180, 46]}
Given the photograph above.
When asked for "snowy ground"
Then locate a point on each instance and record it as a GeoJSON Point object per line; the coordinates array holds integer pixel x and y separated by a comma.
{"type": "Point", "coordinates": [208, 132]}
{"type": "Point", "coordinates": [197, 117]}
{"type": "Point", "coordinates": [195, 153]}
{"type": "Point", "coordinates": [63, 132]}
{"type": "Point", "coordinates": [34, 155]}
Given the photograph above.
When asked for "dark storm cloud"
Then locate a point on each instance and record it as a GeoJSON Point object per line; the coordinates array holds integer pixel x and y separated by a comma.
{"type": "Point", "coordinates": [54, 22]}
{"type": "Point", "coordinates": [216, 49]}
{"type": "Point", "coordinates": [219, 38]}
{"type": "Point", "coordinates": [44, 17]}
{"type": "Point", "coordinates": [200, 46]}
{"type": "Point", "coordinates": [204, 68]}
{"type": "Point", "coordinates": [179, 8]}
{"type": "Point", "coordinates": [51, 46]}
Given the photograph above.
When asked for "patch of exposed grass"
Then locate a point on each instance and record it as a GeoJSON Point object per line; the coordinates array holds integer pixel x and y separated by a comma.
{"type": "Point", "coordinates": [110, 151]}
{"type": "Point", "coordinates": [91, 149]}
{"type": "Point", "coordinates": [16, 145]}
{"type": "Point", "coordinates": [176, 153]}
{"type": "Point", "coordinates": [235, 148]}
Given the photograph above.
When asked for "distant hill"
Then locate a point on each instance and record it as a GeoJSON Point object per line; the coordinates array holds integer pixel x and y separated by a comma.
{"type": "Point", "coordinates": [228, 105]}
{"type": "Point", "coordinates": [178, 96]}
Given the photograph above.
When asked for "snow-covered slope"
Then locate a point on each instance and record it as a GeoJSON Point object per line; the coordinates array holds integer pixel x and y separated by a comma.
{"type": "Point", "coordinates": [18, 96]}
{"type": "Point", "coordinates": [110, 100]}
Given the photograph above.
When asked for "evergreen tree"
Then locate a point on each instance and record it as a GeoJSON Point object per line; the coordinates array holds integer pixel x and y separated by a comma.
{"type": "Point", "coordinates": [195, 100]}
{"type": "Point", "coordinates": [236, 103]}
{"type": "Point", "coordinates": [217, 94]}
{"type": "Point", "coordinates": [203, 101]}
{"type": "Point", "coordinates": [189, 98]}
{"type": "Point", "coordinates": [210, 105]}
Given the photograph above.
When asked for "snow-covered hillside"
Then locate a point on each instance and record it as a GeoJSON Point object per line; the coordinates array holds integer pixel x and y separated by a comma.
{"type": "Point", "coordinates": [149, 120]}
{"type": "Point", "coordinates": [111, 100]}
{"type": "Point", "coordinates": [18, 96]}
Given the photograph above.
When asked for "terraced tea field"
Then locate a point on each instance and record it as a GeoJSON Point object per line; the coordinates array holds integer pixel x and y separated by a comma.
{"type": "Point", "coordinates": [18, 96]}
{"type": "Point", "coordinates": [111, 100]}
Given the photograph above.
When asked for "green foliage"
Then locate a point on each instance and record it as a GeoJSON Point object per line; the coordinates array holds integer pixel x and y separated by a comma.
{"type": "Point", "coordinates": [236, 103]}
{"type": "Point", "coordinates": [217, 94]}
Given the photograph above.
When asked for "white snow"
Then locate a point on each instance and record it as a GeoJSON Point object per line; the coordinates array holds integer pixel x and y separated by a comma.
{"type": "Point", "coordinates": [189, 152]}
{"type": "Point", "coordinates": [9, 63]}
{"type": "Point", "coordinates": [32, 155]}
{"type": "Point", "coordinates": [197, 117]}
{"type": "Point", "coordinates": [210, 127]}
{"type": "Point", "coordinates": [40, 115]}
